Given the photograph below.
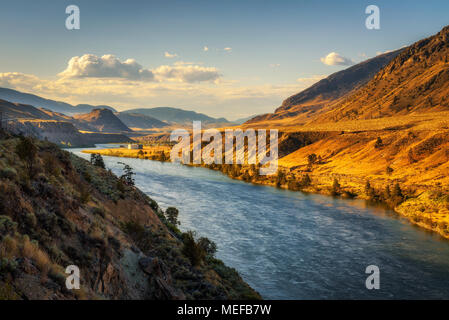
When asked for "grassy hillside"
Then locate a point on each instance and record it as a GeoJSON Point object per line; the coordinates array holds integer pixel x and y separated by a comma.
{"type": "Point", "coordinates": [58, 210]}
{"type": "Point", "coordinates": [416, 81]}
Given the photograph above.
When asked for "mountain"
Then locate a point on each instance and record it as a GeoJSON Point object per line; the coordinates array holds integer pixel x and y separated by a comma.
{"type": "Point", "coordinates": [59, 210]}
{"type": "Point", "coordinates": [415, 82]}
{"type": "Point", "coordinates": [305, 105]}
{"type": "Point", "coordinates": [57, 106]}
{"type": "Point", "coordinates": [22, 111]}
{"type": "Point", "coordinates": [174, 115]}
{"type": "Point", "coordinates": [141, 121]}
{"type": "Point", "coordinates": [243, 120]}
{"type": "Point", "coordinates": [55, 127]}
{"type": "Point", "coordinates": [104, 120]}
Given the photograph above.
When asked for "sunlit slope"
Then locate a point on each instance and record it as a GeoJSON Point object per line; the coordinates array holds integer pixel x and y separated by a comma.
{"type": "Point", "coordinates": [416, 81]}
{"type": "Point", "coordinates": [416, 159]}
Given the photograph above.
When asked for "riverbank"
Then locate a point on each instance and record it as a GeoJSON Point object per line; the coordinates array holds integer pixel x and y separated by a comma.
{"type": "Point", "coordinates": [425, 207]}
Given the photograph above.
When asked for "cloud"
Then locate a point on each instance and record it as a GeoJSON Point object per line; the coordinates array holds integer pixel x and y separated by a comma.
{"type": "Point", "coordinates": [185, 72]}
{"type": "Point", "coordinates": [18, 80]}
{"type": "Point", "coordinates": [170, 55]}
{"type": "Point", "coordinates": [180, 87]}
{"type": "Point", "coordinates": [275, 65]}
{"type": "Point", "coordinates": [206, 48]}
{"type": "Point", "coordinates": [335, 59]}
{"type": "Point", "coordinates": [107, 66]}
{"type": "Point", "coordinates": [110, 67]}
{"type": "Point", "coordinates": [228, 49]}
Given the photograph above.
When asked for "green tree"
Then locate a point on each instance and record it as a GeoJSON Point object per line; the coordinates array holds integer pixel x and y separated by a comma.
{"type": "Point", "coordinates": [27, 151]}
{"type": "Point", "coordinates": [128, 175]}
{"type": "Point", "coordinates": [191, 249]}
{"type": "Point", "coordinates": [172, 215]}
{"type": "Point", "coordinates": [208, 246]}
{"type": "Point", "coordinates": [97, 160]}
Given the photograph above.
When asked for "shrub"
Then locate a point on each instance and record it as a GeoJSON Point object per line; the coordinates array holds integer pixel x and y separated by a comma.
{"type": "Point", "coordinates": [97, 160]}
{"type": "Point", "coordinates": [8, 247]}
{"type": "Point", "coordinates": [84, 194]}
{"type": "Point", "coordinates": [305, 180]}
{"type": "Point", "coordinates": [311, 159]}
{"type": "Point", "coordinates": [208, 246]}
{"type": "Point", "coordinates": [389, 170]}
{"type": "Point", "coordinates": [7, 225]}
{"type": "Point", "coordinates": [51, 165]}
{"type": "Point", "coordinates": [191, 249]}
{"type": "Point", "coordinates": [8, 173]}
{"type": "Point", "coordinates": [7, 292]}
{"type": "Point", "coordinates": [99, 211]}
{"type": "Point", "coordinates": [127, 177]}
{"type": "Point", "coordinates": [336, 188]}
{"type": "Point", "coordinates": [172, 215]}
{"type": "Point", "coordinates": [27, 150]}
{"type": "Point", "coordinates": [379, 143]}
{"type": "Point", "coordinates": [31, 250]}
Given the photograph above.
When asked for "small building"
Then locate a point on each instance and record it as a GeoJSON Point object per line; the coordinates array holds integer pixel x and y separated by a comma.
{"type": "Point", "coordinates": [135, 146]}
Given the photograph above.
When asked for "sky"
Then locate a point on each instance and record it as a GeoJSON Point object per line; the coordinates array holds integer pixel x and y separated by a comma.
{"type": "Point", "coordinates": [227, 59]}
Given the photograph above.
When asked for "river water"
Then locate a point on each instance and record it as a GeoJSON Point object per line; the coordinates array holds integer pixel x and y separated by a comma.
{"type": "Point", "coordinates": [290, 245]}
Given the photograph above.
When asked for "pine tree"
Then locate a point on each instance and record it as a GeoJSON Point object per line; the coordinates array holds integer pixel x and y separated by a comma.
{"type": "Point", "coordinates": [127, 177]}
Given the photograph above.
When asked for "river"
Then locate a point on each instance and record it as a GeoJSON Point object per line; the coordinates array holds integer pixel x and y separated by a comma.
{"type": "Point", "coordinates": [290, 245]}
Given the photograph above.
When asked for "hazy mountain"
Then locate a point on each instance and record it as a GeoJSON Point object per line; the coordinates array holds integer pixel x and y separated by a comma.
{"type": "Point", "coordinates": [137, 120]}
{"type": "Point", "coordinates": [104, 120]}
{"type": "Point", "coordinates": [243, 120]}
{"type": "Point", "coordinates": [175, 115]}
{"type": "Point", "coordinates": [57, 106]}
{"type": "Point", "coordinates": [308, 103]}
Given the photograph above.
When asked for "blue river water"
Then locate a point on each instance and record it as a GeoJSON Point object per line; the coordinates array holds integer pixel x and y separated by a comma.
{"type": "Point", "coordinates": [291, 245]}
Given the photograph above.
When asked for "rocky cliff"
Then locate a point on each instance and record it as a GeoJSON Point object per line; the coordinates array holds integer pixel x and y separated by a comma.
{"type": "Point", "coordinates": [58, 210]}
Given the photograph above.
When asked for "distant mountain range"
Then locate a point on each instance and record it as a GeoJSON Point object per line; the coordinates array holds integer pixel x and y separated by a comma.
{"type": "Point", "coordinates": [175, 115]}
{"type": "Point", "coordinates": [142, 118]}
{"type": "Point", "coordinates": [141, 121]}
{"type": "Point", "coordinates": [57, 106]}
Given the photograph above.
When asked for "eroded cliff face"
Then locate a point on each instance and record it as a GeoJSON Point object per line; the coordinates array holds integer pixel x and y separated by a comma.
{"type": "Point", "coordinates": [62, 211]}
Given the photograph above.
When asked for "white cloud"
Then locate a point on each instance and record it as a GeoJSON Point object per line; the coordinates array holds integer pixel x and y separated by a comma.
{"type": "Point", "coordinates": [170, 55]}
{"type": "Point", "coordinates": [178, 86]}
{"type": "Point", "coordinates": [185, 72]}
{"type": "Point", "coordinates": [275, 65]}
{"type": "Point", "coordinates": [335, 59]}
{"type": "Point", "coordinates": [228, 49]}
{"type": "Point", "coordinates": [206, 48]}
{"type": "Point", "coordinates": [107, 66]}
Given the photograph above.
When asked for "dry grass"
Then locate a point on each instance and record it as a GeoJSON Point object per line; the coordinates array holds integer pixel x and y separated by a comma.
{"type": "Point", "coordinates": [146, 153]}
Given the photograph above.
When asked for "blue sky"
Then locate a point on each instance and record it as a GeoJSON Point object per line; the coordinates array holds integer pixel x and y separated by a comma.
{"type": "Point", "coordinates": [274, 48]}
